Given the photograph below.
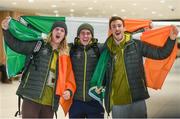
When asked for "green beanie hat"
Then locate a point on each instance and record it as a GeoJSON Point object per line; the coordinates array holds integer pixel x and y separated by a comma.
{"type": "Point", "coordinates": [85, 26]}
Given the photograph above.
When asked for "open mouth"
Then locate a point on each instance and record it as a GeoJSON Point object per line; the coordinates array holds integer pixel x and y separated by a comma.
{"type": "Point", "coordinates": [118, 33]}
{"type": "Point", "coordinates": [57, 36]}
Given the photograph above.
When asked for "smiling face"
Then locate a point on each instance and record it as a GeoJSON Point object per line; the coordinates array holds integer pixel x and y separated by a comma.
{"type": "Point", "coordinates": [58, 34]}
{"type": "Point", "coordinates": [85, 37]}
{"type": "Point", "coordinates": [117, 30]}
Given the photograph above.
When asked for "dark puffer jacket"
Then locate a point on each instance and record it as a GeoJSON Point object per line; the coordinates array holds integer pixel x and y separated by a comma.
{"type": "Point", "coordinates": [34, 79]}
{"type": "Point", "coordinates": [134, 52]}
{"type": "Point", "coordinates": [84, 60]}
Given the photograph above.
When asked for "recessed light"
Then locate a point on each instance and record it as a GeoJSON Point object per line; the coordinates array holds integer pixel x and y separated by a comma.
{"type": "Point", "coordinates": [153, 12]}
{"type": "Point", "coordinates": [95, 1]}
{"type": "Point", "coordinates": [57, 15]}
{"type": "Point", "coordinates": [90, 8]}
{"type": "Point", "coordinates": [123, 10]}
{"type": "Point", "coordinates": [55, 11]}
{"type": "Point", "coordinates": [53, 6]}
{"type": "Point", "coordinates": [115, 14]}
{"type": "Point", "coordinates": [71, 10]}
{"type": "Point", "coordinates": [30, 1]}
{"type": "Point", "coordinates": [14, 3]}
{"type": "Point", "coordinates": [145, 8]}
{"type": "Point", "coordinates": [134, 4]}
{"type": "Point", "coordinates": [162, 1]}
{"type": "Point", "coordinates": [72, 3]}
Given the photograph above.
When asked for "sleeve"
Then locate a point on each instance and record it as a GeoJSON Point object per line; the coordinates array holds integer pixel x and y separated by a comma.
{"type": "Point", "coordinates": [22, 47]}
{"type": "Point", "coordinates": [155, 52]}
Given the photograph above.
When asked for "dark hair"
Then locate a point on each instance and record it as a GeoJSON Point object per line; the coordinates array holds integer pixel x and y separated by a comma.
{"type": "Point", "coordinates": [114, 18]}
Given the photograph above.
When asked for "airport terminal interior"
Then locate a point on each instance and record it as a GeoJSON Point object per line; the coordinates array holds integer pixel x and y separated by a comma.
{"type": "Point", "coordinates": [163, 102]}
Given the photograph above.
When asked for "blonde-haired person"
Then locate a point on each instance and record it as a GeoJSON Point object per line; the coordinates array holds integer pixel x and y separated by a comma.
{"type": "Point", "coordinates": [43, 85]}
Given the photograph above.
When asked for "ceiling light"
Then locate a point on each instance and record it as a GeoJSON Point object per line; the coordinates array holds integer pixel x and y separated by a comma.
{"type": "Point", "coordinates": [71, 10]}
{"type": "Point", "coordinates": [72, 3]}
{"type": "Point", "coordinates": [55, 11]}
{"type": "Point", "coordinates": [30, 1]}
{"type": "Point", "coordinates": [95, 1]}
{"type": "Point", "coordinates": [14, 3]}
{"type": "Point", "coordinates": [57, 15]}
{"type": "Point", "coordinates": [162, 1]}
{"type": "Point", "coordinates": [153, 12]}
{"type": "Point", "coordinates": [134, 4]}
{"type": "Point", "coordinates": [170, 6]}
{"type": "Point", "coordinates": [71, 15]}
{"type": "Point", "coordinates": [145, 8]}
{"type": "Point", "coordinates": [115, 14]}
{"type": "Point", "coordinates": [90, 8]}
{"type": "Point", "coordinates": [53, 6]}
{"type": "Point", "coordinates": [123, 10]}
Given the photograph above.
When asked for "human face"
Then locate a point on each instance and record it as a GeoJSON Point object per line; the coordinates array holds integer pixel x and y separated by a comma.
{"type": "Point", "coordinates": [85, 37]}
{"type": "Point", "coordinates": [117, 30]}
{"type": "Point", "coordinates": [58, 35]}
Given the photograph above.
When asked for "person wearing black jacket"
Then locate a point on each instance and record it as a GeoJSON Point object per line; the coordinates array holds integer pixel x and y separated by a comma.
{"type": "Point", "coordinates": [125, 80]}
{"type": "Point", "coordinates": [84, 56]}
{"type": "Point", "coordinates": [39, 80]}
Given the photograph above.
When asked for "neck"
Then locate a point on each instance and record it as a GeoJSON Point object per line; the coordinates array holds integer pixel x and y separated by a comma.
{"type": "Point", "coordinates": [119, 41]}
{"type": "Point", "coordinates": [54, 45]}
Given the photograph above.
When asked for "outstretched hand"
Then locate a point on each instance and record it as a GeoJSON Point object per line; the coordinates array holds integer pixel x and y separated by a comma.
{"type": "Point", "coordinates": [5, 23]}
{"type": "Point", "coordinates": [174, 32]}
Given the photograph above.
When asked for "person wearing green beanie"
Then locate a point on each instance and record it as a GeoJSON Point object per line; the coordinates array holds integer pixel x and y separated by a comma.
{"type": "Point", "coordinates": [84, 54]}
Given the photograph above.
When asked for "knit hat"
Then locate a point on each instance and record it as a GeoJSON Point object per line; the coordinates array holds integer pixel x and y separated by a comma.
{"type": "Point", "coordinates": [85, 26]}
{"type": "Point", "coordinates": [59, 24]}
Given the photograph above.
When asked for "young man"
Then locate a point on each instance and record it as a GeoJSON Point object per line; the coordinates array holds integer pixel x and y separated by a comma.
{"type": "Point", "coordinates": [43, 85]}
{"type": "Point", "coordinates": [84, 55]}
{"type": "Point", "coordinates": [125, 79]}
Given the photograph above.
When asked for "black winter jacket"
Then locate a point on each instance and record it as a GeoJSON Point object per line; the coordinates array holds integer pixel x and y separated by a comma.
{"type": "Point", "coordinates": [84, 60]}
{"type": "Point", "coordinates": [34, 79]}
{"type": "Point", "coordinates": [134, 52]}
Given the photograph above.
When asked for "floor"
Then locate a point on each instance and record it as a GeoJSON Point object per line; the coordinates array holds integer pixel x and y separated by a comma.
{"type": "Point", "coordinates": [164, 103]}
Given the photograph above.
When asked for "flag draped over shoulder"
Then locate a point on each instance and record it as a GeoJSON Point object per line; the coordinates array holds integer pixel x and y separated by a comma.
{"type": "Point", "coordinates": [155, 70]}
{"type": "Point", "coordinates": [28, 32]}
{"type": "Point", "coordinates": [31, 28]}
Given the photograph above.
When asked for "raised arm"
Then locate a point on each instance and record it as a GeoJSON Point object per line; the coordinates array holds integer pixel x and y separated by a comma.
{"type": "Point", "coordinates": [22, 47]}
{"type": "Point", "coordinates": [157, 52]}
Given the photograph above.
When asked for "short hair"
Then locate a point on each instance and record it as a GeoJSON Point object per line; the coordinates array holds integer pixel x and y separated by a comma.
{"type": "Point", "coordinates": [114, 18]}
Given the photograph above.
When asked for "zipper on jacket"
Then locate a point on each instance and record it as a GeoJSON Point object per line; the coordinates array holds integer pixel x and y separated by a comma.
{"type": "Point", "coordinates": [26, 79]}
{"type": "Point", "coordinates": [46, 75]}
{"type": "Point", "coordinates": [84, 81]}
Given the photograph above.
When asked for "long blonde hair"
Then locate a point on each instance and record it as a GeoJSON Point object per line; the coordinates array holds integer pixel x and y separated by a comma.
{"type": "Point", "coordinates": [63, 46]}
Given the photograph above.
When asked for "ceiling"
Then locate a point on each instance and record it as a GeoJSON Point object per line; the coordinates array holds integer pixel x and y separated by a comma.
{"type": "Point", "coordinates": [146, 9]}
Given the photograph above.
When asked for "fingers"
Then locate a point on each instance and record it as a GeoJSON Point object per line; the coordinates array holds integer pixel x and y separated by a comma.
{"type": "Point", "coordinates": [174, 32]}
{"type": "Point", "coordinates": [5, 23]}
{"type": "Point", "coordinates": [66, 95]}
{"type": "Point", "coordinates": [98, 90]}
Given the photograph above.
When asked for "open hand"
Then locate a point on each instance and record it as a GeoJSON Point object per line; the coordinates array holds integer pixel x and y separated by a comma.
{"type": "Point", "coordinates": [5, 23]}
{"type": "Point", "coordinates": [174, 32]}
